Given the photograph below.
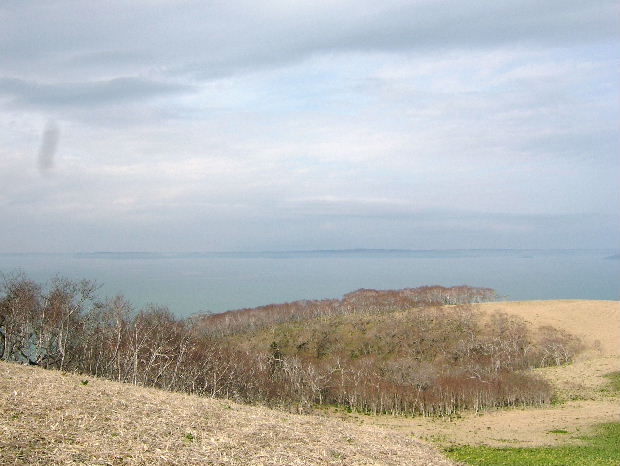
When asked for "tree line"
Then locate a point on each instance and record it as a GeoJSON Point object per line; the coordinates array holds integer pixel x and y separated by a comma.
{"type": "Point", "coordinates": [404, 359]}
{"type": "Point", "coordinates": [362, 301]}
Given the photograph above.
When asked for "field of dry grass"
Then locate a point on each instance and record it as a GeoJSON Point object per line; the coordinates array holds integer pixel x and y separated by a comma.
{"type": "Point", "coordinates": [583, 400]}
{"type": "Point", "coordinates": [53, 418]}
{"type": "Point", "coordinates": [591, 320]}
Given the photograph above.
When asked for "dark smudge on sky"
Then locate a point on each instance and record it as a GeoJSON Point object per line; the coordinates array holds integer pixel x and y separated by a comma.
{"type": "Point", "coordinates": [49, 145]}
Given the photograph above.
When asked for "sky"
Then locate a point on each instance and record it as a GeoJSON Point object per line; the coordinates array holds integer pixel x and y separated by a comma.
{"type": "Point", "coordinates": [236, 126]}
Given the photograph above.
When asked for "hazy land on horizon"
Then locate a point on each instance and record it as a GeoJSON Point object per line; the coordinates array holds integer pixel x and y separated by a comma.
{"type": "Point", "coordinates": [217, 281]}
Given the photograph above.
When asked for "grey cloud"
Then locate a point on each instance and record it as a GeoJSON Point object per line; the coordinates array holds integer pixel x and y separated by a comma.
{"type": "Point", "coordinates": [212, 40]}
{"type": "Point", "coordinates": [463, 25]}
{"type": "Point", "coordinates": [389, 152]}
{"type": "Point", "coordinates": [408, 26]}
{"type": "Point", "coordinates": [78, 94]}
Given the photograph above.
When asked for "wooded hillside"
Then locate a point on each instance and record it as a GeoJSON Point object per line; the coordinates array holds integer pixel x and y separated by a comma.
{"type": "Point", "coordinates": [373, 351]}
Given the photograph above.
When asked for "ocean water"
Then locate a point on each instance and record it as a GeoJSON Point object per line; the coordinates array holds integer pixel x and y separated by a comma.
{"type": "Point", "coordinates": [196, 282]}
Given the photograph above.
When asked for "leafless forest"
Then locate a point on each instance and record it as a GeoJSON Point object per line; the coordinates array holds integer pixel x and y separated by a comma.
{"type": "Point", "coordinates": [399, 352]}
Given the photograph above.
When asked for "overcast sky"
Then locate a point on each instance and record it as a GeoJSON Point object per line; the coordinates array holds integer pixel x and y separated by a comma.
{"type": "Point", "coordinates": [218, 125]}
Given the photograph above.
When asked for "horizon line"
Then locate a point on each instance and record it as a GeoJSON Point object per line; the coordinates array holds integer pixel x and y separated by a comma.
{"type": "Point", "coordinates": [282, 251]}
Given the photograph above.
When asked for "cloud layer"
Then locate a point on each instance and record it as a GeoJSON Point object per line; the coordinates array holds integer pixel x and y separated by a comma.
{"type": "Point", "coordinates": [220, 125]}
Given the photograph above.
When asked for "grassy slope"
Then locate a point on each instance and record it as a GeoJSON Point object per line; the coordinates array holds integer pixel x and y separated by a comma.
{"type": "Point", "coordinates": [53, 418]}
{"type": "Point", "coordinates": [600, 449]}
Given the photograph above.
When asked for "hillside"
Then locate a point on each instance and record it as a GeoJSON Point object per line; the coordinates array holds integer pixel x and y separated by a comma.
{"type": "Point", "coordinates": [596, 323]}
{"type": "Point", "coordinates": [412, 351]}
{"type": "Point", "coordinates": [54, 417]}
{"type": "Point", "coordinates": [591, 320]}
{"type": "Point", "coordinates": [583, 396]}
{"type": "Point", "coordinates": [429, 359]}
{"type": "Point", "coordinates": [51, 417]}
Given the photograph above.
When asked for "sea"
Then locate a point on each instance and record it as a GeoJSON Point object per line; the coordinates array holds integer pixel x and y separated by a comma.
{"type": "Point", "coordinates": [190, 283]}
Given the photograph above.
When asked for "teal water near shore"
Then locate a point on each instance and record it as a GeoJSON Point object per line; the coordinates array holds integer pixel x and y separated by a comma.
{"type": "Point", "coordinates": [196, 282]}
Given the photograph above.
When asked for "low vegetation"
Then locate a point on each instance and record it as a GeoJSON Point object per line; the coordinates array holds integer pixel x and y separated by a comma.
{"type": "Point", "coordinates": [613, 382]}
{"type": "Point", "coordinates": [600, 449]}
{"type": "Point", "coordinates": [394, 352]}
{"type": "Point", "coordinates": [429, 360]}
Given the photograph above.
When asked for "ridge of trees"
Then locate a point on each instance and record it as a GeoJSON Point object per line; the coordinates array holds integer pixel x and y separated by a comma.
{"type": "Point", "coordinates": [362, 301]}
{"type": "Point", "coordinates": [420, 359]}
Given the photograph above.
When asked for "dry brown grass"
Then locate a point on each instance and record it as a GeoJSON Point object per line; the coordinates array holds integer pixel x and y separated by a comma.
{"type": "Point", "coordinates": [596, 322]}
{"type": "Point", "coordinates": [53, 418]}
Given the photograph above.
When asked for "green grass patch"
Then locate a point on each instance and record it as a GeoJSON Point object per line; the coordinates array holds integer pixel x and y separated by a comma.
{"type": "Point", "coordinates": [600, 449]}
{"type": "Point", "coordinates": [558, 431]}
{"type": "Point", "coordinates": [614, 381]}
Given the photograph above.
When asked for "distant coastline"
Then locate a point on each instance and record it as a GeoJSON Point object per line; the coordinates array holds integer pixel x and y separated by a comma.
{"type": "Point", "coordinates": [421, 253]}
